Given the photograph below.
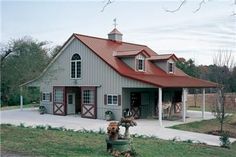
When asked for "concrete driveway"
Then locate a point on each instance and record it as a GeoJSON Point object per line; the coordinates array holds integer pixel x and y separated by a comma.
{"type": "Point", "coordinates": [31, 117]}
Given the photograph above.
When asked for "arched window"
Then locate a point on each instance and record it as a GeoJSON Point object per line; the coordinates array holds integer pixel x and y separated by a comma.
{"type": "Point", "coordinates": [76, 66]}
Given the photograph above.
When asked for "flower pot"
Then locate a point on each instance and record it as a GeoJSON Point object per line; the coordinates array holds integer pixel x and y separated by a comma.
{"type": "Point", "coordinates": [108, 117]}
{"type": "Point", "coordinates": [122, 145]}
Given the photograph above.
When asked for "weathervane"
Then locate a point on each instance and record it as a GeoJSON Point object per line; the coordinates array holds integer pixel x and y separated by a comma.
{"type": "Point", "coordinates": [115, 24]}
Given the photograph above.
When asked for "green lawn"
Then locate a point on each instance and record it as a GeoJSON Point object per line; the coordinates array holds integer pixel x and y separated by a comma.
{"type": "Point", "coordinates": [40, 142]}
{"type": "Point", "coordinates": [206, 126]}
{"type": "Point", "coordinates": [18, 106]}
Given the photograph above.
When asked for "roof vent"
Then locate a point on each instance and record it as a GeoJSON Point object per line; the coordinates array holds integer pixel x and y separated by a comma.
{"type": "Point", "coordinates": [115, 35]}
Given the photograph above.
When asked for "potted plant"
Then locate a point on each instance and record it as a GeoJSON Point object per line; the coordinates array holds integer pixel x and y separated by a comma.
{"type": "Point", "coordinates": [42, 109]}
{"type": "Point", "coordinates": [108, 115]}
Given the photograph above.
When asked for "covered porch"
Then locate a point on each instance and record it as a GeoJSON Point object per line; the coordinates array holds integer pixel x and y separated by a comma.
{"type": "Point", "coordinates": [169, 104]}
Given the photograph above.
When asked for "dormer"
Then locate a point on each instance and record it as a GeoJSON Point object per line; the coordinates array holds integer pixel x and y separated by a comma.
{"type": "Point", "coordinates": [135, 59]}
{"type": "Point", "coordinates": [166, 62]}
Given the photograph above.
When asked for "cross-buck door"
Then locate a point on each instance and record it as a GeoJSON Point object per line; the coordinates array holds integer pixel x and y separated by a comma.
{"type": "Point", "coordinates": [88, 102]}
{"type": "Point", "coordinates": [59, 100]}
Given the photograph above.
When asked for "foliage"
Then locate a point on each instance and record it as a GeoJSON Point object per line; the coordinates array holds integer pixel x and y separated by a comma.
{"type": "Point", "coordinates": [42, 109]}
{"type": "Point", "coordinates": [55, 51]}
{"type": "Point", "coordinates": [41, 142]}
{"type": "Point", "coordinates": [224, 140]}
{"type": "Point", "coordinates": [219, 110]}
{"type": "Point", "coordinates": [26, 61]}
{"type": "Point", "coordinates": [222, 74]}
{"type": "Point", "coordinates": [188, 67]}
{"type": "Point", "coordinates": [108, 113]}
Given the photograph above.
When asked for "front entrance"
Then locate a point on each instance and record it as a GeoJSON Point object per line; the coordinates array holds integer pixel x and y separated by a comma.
{"type": "Point", "coordinates": [70, 103]}
{"type": "Point", "coordinates": [75, 100]}
{"type": "Point", "coordinates": [89, 103]}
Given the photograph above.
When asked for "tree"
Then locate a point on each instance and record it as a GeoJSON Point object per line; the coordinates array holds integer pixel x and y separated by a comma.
{"type": "Point", "coordinates": [26, 60]}
{"type": "Point", "coordinates": [55, 51]}
{"type": "Point", "coordinates": [188, 67]}
{"type": "Point", "coordinates": [223, 61]}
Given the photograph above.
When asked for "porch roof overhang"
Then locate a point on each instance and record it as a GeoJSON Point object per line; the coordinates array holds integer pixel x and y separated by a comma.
{"type": "Point", "coordinates": [174, 81]}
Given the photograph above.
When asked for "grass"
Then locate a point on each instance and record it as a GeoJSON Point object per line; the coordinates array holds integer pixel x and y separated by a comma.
{"type": "Point", "coordinates": [41, 142]}
{"type": "Point", "coordinates": [207, 126]}
{"type": "Point", "coordinates": [209, 108]}
{"type": "Point", "coordinates": [198, 108]}
{"type": "Point", "coordinates": [18, 106]}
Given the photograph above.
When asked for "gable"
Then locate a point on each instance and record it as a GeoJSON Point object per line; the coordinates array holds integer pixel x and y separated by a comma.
{"type": "Point", "coordinates": [95, 72]}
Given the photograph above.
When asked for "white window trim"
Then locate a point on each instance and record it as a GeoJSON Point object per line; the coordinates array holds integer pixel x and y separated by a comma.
{"type": "Point", "coordinates": [140, 57]}
{"type": "Point", "coordinates": [45, 97]}
{"type": "Point", "coordinates": [112, 104]}
{"type": "Point", "coordinates": [76, 69]}
{"type": "Point", "coordinates": [171, 72]}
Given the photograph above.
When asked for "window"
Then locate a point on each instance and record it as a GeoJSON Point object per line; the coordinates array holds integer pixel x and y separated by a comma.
{"type": "Point", "coordinates": [88, 97]}
{"type": "Point", "coordinates": [46, 96]}
{"type": "Point", "coordinates": [170, 67]}
{"type": "Point", "coordinates": [112, 99]}
{"type": "Point", "coordinates": [70, 99]}
{"type": "Point", "coordinates": [58, 95]}
{"type": "Point", "coordinates": [76, 66]}
{"type": "Point", "coordinates": [140, 63]}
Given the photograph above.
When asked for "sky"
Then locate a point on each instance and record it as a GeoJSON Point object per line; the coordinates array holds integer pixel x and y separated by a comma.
{"type": "Point", "coordinates": [197, 35]}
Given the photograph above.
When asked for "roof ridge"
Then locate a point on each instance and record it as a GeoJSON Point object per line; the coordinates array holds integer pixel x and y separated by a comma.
{"type": "Point", "coordinates": [130, 50]}
{"type": "Point", "coordinates": [109, 40]}
{"type": "Point", "coordinates": [166, 54]}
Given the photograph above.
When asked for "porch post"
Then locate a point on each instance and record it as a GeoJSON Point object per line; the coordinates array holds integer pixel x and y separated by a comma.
{"type": "Point", "coordinates": [203, 103]}
{"type": "Point", "coordinates": [184, 96]}
{"type": "Point", "coordinates": [160, 105]}
{"type": "Point", "coordinates": [21, 98]}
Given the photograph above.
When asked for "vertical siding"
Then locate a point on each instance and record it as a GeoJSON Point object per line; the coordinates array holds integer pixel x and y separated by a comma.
{"type": "Point", "coordinates": [130, 61]}
{"type": "Point", "coordinates": [94, 72]}
{"type": "Point", "coordinates": [164, 64]}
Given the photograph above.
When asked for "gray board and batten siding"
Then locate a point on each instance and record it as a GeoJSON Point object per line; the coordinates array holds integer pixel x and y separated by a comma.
{"type": "Point", "coordinates": [95, 72]}
{"type": "Point", "coordinates": [163, 64]}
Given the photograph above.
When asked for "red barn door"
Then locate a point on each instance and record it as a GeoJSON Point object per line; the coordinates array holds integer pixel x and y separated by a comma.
{"type": "Point", "coordinates": [88, 102]}
{"type": "Point", "coordinates": [59, 101]}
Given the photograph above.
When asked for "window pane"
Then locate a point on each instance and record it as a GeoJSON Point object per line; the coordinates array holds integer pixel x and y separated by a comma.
{"type": "Point", "coordinates": [88, 97]}
{"type": "Point", "coordinates": [115, 100]}
{"type": "Point", "coordinates": [78, 69]}
{"type": "Point", "coordinates": [46, 97]}
{"type": "Point", "coordinates": [58, 95]}
{"type": "Point", "coordinates": [140, 64]}
{"type": "Point", "coordinates": [72, 69]}
{"type": "Point", "coordinates": [109, 99]}
{"type": "Point", "coordinates": [70, 99]}
{"type": "Point", "coordinates": [76, 57]}
{"type": "Point", "coordinates": [170, 67]}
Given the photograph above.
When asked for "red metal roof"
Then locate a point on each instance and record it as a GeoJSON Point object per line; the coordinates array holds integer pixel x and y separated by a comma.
{"type": "Point", "coordinates": [130, 53]}
{"type": "Point", "coordinates": [104, 49]}
{"type": "Point", "coordinates": [163, 57]}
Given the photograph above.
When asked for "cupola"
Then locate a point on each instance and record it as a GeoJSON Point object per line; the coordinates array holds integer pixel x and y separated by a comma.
{"type": "Point", "coordinates": [115, 35]}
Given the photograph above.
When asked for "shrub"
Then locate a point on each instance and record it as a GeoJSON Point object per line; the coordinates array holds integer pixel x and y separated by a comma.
{"type": "Point", "coordinates": [224, 140]}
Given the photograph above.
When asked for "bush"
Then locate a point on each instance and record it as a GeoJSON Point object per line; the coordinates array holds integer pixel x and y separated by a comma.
{"type": "Point", "coordinates": [224, 140]}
